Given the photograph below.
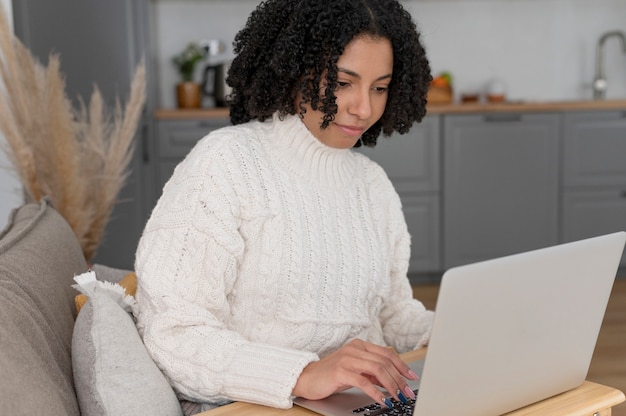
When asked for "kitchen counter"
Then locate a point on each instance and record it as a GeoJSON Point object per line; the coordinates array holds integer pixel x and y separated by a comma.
{"type": "Point", "coordinates": [454, 108]}
{"type": "Point", "coordinates": [186, 114]}
{"type": "Point", "coordinates": [528, 106]}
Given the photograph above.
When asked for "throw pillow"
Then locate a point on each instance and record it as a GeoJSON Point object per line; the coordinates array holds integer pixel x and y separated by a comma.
{"type": "Point", "coordinates": [110, 274]}
{"type": "Point", "coordinates": [128, 282]}
{"type": "Point", "coordinates": [113, 372]}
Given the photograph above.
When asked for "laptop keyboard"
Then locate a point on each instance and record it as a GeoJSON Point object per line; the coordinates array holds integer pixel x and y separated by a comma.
{"type": "Point", "coordinates": [399, 408]}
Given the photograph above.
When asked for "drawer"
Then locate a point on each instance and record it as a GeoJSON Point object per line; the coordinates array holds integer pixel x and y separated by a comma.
{"type": "Point", "coordinates": [176, 138]}
{"type": "Point", "coordinates": [411, 160]}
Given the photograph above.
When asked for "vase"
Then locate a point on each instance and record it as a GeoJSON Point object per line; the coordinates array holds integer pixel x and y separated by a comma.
{"type": "Point", "coordinates": [188, 95]}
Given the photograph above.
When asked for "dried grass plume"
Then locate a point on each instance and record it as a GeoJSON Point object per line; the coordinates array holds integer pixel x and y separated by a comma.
{"type": "Point", "coordinates": [79, 158]}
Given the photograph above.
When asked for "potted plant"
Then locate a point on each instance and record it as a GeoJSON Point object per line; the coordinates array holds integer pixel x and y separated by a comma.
{"type": "Point", "coordinates": [188, 92]}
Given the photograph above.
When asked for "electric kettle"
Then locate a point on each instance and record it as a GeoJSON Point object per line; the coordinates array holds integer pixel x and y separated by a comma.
{"type": "Point", "coordinates": [214, 87]}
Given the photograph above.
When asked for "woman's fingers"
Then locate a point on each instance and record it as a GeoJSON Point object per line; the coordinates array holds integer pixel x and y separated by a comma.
{"type": "Point", "coordinates": [390, 354]}
{"type": "Point", "coordinates": [385, 367]}
{"type": "Point", "coordinates": [357, 364]}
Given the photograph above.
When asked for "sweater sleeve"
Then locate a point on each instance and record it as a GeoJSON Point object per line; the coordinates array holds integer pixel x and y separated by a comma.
{"type": "Point", "coordinates": [186, 265]}
{"type": "Point", "coordinates": [405, 321]}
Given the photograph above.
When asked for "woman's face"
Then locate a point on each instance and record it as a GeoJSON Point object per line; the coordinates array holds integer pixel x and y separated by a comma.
{"type": "Point", "coordinates": [364, 72]}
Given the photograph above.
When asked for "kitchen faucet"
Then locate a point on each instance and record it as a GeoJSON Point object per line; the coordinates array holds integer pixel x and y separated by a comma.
{"type": "Point", "coordinates": [599, 82]}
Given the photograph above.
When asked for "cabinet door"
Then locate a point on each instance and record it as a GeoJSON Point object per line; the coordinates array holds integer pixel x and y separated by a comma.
{"type": "Point", "coordinates": [100, 43]}
{"type": "Point", "coordinates": [594, 174]}
{"type": "Point", "coordinates": [594, 149]}
{"type": "Point", "coordinates": [500, 185]}
{"type": "Point", "coordinates": [591, 213]}
{"type": "Point", "coordinates": [175, 138]}
{"type": "Point", "coordinates": [421, 212]}
{"type": "Point", "coordinates": [412, 163]}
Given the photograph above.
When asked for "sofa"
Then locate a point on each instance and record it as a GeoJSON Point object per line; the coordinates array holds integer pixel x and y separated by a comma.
{"type": "Point", "coordinates": [57, 361]}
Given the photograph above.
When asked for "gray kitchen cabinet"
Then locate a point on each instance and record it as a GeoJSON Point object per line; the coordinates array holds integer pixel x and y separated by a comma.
{"type": "Point", "coordinates": [500, 186]}
{"type": "Point", "coordinates": [101, 43]}
{"type": "Point", "coordinates": [175, 138]}
{"type": "Point", "coordinates": [594, 174]}
{"type": "Point", "coordinates": [412, 162]}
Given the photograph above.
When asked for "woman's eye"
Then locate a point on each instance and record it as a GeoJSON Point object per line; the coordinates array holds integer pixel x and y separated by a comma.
{"type": "Point", "coordinates": [342, 84]}
{"type": "Point", "coordinates": [381, 89]}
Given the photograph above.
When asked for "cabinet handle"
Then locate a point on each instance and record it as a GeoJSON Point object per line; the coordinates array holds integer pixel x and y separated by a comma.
{"type": "Point", "coordinates": [499, 118]}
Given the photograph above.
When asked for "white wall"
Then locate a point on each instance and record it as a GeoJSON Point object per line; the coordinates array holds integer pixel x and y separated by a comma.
{"type": "Point", "coordinates": [10, 188]}
{"type": "Point", "coordinates": [541, 49]}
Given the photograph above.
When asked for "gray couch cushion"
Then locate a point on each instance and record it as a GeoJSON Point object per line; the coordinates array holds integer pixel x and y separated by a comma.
{"type": "Point", "coordinates": [39, 256]}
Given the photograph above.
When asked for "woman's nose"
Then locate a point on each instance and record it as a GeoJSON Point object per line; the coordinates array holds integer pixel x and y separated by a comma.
{"type": "Point", "coordinates": [361, 104]}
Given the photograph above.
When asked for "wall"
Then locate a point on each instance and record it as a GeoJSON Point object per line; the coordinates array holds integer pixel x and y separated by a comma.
{"type": "Point", "coordinates": [10, 190]}
{"type": "Point", "coordinates": [541, 49]}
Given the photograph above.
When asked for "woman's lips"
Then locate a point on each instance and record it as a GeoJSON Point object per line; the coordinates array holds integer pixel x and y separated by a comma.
{"type": "Point", "coordinates": [351, 130]}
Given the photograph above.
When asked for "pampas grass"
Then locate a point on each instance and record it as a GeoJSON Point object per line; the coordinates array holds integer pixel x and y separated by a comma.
{"type": "Point", "coordinates": [79, 158]}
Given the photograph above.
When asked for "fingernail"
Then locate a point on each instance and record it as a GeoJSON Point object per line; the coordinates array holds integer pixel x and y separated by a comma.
{"type": "Point", "coordinates": [409, 392]}
{"type": "Point", "coordinates": [401, 397]}
{"type": "Point", "coordinates": [388, 403]}
{"type": "Point", "coordinates": [413, 375]}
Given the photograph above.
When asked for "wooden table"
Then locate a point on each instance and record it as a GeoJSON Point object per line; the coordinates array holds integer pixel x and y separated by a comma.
{"type": "Point", "coordinates": [590, 399]}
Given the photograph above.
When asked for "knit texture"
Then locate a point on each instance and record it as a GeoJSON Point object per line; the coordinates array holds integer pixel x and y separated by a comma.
{"type": "Point", "coordinates": [266, 251]}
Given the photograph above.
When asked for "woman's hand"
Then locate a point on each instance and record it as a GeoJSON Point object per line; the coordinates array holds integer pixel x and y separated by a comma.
{"type": "Point", "coordinates": [357, 364]}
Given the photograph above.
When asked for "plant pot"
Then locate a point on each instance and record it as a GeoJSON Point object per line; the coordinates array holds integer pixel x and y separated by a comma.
{"type": "Point", "coordinates": [188, 95]}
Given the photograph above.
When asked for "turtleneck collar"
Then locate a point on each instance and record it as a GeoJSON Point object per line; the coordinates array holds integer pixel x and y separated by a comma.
{"type": "Point", "coordinates": [301, 152]}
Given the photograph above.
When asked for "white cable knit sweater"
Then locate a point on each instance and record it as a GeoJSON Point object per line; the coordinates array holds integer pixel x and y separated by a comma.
{"type": "Point", "coordinates": [266, 251]}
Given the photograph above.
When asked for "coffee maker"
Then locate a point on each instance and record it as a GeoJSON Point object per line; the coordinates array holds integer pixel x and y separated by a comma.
{"type": "Point", "coordinates": [214, 88]}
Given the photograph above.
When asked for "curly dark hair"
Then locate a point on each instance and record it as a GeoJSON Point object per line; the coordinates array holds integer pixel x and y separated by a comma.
{"type": "Point", "coordinates": [287, 46]}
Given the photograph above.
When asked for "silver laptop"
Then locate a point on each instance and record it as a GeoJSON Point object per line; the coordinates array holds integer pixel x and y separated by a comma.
{"type": "Point", "coordinates": [507, 332]}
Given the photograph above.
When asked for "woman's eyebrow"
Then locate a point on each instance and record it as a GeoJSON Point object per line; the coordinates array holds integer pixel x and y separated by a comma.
{"type": "Point", "coordinates": [356, 75]}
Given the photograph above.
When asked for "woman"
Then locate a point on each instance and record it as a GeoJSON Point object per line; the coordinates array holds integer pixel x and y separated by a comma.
{"type": "Point", "coordinates": [274, 264]}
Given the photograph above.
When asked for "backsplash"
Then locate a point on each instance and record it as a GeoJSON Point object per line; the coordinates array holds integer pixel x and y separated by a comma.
{"type": "Point", "coordinates": [541, 50]}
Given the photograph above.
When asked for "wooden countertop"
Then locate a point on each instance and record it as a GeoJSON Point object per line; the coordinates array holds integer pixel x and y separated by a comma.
{"type": "Point", "coordinates": [453, 108]}
{"type": "Point", "coordinates": [586, 400]}
{"type": "Point", "coordinates": [186, 114]}
{"type": "Point", "coordinates": [528, 106]}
